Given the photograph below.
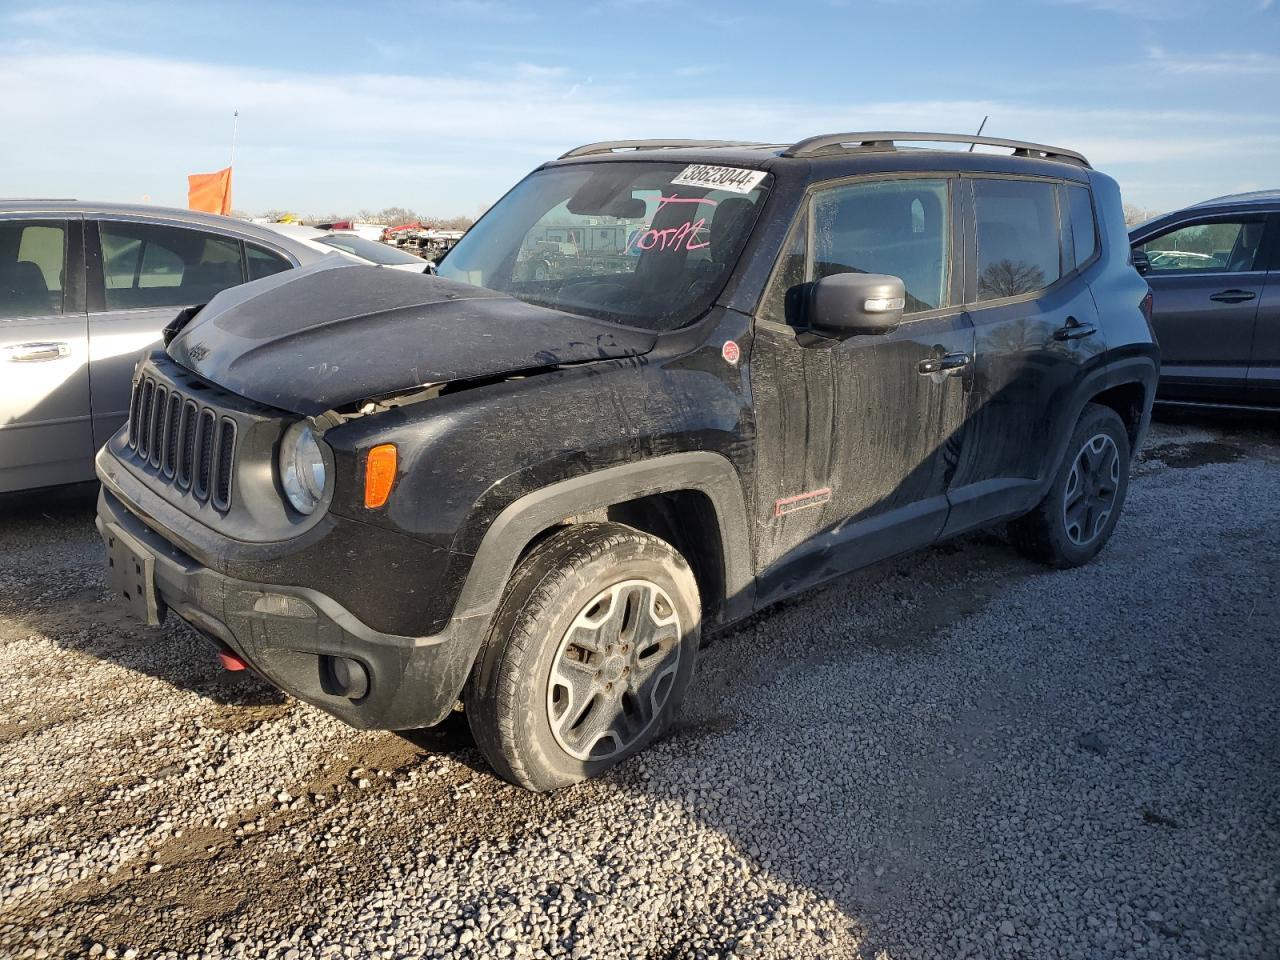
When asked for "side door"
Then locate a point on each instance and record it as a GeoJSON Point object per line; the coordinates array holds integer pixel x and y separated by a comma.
{"type": "Point", "coordinates": [141, 275]}
{"type": "Point", "coordinates": [1037, 332]}
{"type": "Point", "coordinates": [45, 435]}
{"type": "Point", "coordinates": [856, 439]}
{"type": "Point", "coordinates": [1264, 362]}
{"type": "Point", "coordinates": [1206, 281]}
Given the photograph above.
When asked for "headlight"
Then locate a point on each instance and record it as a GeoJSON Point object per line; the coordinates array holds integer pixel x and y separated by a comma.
{"type": "Point", "coordinates": [301, 467]}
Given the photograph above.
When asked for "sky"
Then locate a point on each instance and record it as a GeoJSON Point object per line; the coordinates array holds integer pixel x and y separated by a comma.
{"type": "Point", "coordinates": [441, 105]}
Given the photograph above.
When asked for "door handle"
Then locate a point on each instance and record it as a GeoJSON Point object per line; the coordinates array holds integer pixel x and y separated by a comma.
{"type": "Point", "coordinates": [1074, 330]}
{"type": "Point", "coordinates": [36, 352]}
{"type": "Point", "coordinates": [947, 363]}
{"type": "Point", "coordinates": [1233, 296]}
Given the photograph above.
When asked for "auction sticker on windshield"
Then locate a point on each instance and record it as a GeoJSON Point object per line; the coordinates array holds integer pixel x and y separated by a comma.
{"type": "Point", "coordinates": [732, 179]}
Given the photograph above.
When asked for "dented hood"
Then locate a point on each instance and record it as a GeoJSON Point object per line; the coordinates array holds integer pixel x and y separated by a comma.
{"type": "Point", "coordinates": [332, 334]}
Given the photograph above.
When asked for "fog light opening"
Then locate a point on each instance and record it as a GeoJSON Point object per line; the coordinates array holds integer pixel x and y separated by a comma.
{"type": "Point", "coordinates": [344, 677]}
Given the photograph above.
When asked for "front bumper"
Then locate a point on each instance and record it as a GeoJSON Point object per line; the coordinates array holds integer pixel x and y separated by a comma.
{"type": "Point", "coordinates": [290, 635]}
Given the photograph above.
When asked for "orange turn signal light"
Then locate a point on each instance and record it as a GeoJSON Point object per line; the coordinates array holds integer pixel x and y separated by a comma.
{"type": "Point", "coordinates": [379, 474]}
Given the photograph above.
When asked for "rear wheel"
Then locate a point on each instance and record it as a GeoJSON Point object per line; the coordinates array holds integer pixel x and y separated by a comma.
{"type": "Point", "coordinates": [588, 657]}
{"type": "Point", "coordinates": [1076, 518]}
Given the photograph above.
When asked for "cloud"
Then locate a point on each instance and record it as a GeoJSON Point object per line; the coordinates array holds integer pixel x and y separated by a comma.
{"type": "Point", "coordinates": [1236, 64]}
{"type": "Point", "coordinates": [121, 126]}
{"type": "Point", "coordinates": [1141, 9]}
{"type": "Point", "coordinates": [535, 71]}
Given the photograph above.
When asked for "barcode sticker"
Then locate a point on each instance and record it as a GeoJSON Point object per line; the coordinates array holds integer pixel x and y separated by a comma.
{"type": "Point", "coordinates": [732, 179]}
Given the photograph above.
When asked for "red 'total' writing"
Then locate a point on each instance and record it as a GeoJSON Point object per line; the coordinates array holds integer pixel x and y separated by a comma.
{"type": "Point", "coordinates": [673, 238]}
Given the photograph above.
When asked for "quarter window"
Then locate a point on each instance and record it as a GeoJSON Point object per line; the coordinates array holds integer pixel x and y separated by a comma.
{"type": "Point", "coordinates": [1084, 229]}
{"type": "Point", "coordinates": [33, 259]}
{"type": "Point", "coordinates": [1018, 237]}
{"type": "Point", "coordinates": [263, 263]}
{"type": "Point", "coordinates": [145, 265]}
{"type": "Point", "coordinates": [1224, 247]}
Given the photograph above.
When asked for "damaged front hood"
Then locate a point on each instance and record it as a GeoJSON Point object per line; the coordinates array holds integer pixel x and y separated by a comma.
{"type": "Point", "coordinates": [333, 334]}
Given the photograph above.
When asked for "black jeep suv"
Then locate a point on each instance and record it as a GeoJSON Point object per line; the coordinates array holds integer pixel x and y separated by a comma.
{"type": "Point", "coordinates": [658, 386]}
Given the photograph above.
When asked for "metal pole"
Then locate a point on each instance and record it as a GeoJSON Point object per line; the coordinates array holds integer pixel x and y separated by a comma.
{"type": "Point", "coordinates": [235, 128]}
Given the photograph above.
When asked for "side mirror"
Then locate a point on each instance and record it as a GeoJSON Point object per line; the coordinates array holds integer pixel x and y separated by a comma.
{"type": "Point", "coordinates": [430, 268]}
{"type": "Point", "coordinates": [855, 304]}
{"type": "Point", "coordinates": [1141, 262]}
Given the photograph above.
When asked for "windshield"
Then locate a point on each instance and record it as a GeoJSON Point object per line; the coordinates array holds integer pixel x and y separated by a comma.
{"type": "Point", "coordinates": [369, 249]}
{"type": "Point", "coordinates": [644, 244]}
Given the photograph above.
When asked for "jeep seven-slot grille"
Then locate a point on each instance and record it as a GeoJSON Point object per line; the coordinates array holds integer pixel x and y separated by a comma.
{"type": "Point", "coordinates": [186, 443]}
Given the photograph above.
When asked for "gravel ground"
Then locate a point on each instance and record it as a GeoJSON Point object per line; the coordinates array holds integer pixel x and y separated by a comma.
{"type": "Point", "coordinates": [954, 754]}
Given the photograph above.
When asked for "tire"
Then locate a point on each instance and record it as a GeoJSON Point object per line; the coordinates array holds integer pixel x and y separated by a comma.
{"type": "Point", "coordinates": [552, 656]}
{"type": "Point", "coordinates": [1064, 536]}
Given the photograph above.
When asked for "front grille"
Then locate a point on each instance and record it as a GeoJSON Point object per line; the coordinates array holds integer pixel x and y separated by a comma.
{"type": "Point", "coordinates": [185, 442]}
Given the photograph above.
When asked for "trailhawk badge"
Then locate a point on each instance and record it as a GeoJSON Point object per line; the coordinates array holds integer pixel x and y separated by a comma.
{"type": "Point", "coordinates": [731, 352]}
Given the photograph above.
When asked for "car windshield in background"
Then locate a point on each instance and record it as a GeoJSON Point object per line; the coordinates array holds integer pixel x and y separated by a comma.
{"type": "Point", "coordinates": [643, 244]}
{"type": "Point", "coordinates": [370, 250]}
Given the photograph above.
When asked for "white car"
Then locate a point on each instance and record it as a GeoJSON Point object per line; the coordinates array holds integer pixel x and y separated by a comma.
{"type": "Point", "coordinates": [353, 245]}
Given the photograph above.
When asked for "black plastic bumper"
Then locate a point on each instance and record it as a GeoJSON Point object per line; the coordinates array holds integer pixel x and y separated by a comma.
{"type": "Point", "coordinates": [290, 635]}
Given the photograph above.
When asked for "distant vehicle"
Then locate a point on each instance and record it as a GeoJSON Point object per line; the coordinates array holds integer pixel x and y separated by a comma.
{"type": "Point", "coordinates": [354, 246]}
{"type": "Point", "coordinates": [84, 289]}
{"type": "Point", "coordinates": [1214, 271]}
{"type": "Point", "coordinates": [531, 494]}
{"type": "Point", "coordinates": [1178, 259]}
{"type": "Point", "coordinates": [370, 231]}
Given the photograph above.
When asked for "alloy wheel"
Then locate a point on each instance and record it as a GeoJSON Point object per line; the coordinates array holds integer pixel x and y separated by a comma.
{"type": "Point", "coordinates": [614, 669]}
{"type": "Point", "coordinates": [1091, 489]}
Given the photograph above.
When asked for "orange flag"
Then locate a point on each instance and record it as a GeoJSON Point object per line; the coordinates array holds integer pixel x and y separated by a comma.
{"type": "Point", "coordinates": [210, 192]}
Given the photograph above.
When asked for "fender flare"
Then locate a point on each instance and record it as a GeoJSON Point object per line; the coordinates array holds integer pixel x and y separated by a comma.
{"type": "Point", "coordinates": [1140, 369]}
{"type": "Point", "coordinates": [520, 521]}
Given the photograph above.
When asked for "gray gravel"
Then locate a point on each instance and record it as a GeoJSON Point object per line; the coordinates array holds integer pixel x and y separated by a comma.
{"type": "Point", "coordinates": [954, 754]}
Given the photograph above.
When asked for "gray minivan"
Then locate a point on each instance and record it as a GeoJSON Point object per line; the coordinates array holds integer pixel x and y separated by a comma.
{"type": "Point", "coordinates": [85, 289]}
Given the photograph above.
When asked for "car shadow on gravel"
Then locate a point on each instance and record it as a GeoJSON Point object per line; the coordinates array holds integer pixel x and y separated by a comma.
{"type": "Point", "coordinates": [55, 586]}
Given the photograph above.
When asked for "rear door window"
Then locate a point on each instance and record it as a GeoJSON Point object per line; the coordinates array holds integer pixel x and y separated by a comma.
{"type": "Point", "coordinates": [1227, 246]}
{"type": "Point", "coordinates": [147, 265]}
{"type": "Point", "coordinates": [1018, 238]}
{"type": "Point", "coordinates": [33, 257]}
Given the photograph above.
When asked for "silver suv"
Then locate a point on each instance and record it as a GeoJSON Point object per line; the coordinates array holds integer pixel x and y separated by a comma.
{"type": "Point", "coordinates": [85, 288]}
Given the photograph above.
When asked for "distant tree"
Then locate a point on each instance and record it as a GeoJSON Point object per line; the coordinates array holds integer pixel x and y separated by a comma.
{"type": "Point", "coordinates": [1007, 278]}
{"type": "Point", "coordinates": [1134, 215]}
{"type": "Point", "coordinates": [394, 215]}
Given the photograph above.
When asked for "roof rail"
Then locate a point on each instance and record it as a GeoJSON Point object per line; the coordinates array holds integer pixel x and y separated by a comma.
{"type": "Point", "coordinates": [609, 146]}
{"type": "Point", "coordinates": [885, 140]}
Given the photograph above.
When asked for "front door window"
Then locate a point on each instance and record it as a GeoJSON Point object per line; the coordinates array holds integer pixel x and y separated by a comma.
{"type": "Point", "coordinates": [32, 268]}
{"type": "Point", "coordinates": [1229, 246]}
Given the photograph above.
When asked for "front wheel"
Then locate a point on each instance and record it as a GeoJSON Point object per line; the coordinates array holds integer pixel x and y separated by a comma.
{"type": "Point", "coordinates": [1077, 517]}
{"type": "Point", "coordinates": [588, 657]}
